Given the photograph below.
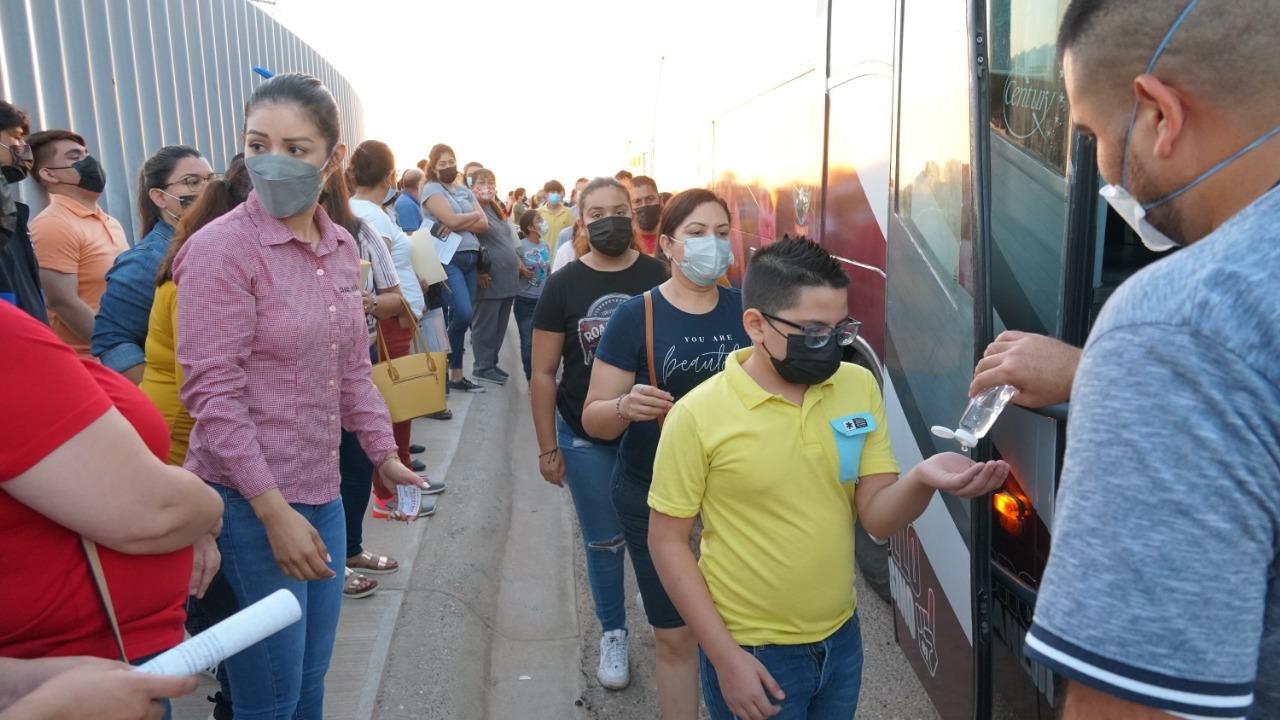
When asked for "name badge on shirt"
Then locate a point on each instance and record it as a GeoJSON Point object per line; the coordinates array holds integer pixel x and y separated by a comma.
{"type": "Point", "coordinates": [851, 434]}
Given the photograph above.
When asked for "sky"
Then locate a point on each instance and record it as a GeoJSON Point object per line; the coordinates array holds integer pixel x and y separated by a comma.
{"type": "Point", "coordinates": [558, 90]}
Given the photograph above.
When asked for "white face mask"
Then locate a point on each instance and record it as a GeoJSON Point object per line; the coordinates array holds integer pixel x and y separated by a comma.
{"type": "Point", "coordinates": [706, 259]}
{"type": "Point", "coordinates": [1133, 213]}
{"type": "Point", "coordinates": [1124, 203]}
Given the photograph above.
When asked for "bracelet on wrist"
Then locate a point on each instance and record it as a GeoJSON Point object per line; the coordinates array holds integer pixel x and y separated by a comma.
{"type": "Point", "coordinates": [552, 451]}
{"type": "Point", "coordinates": [617, 407]}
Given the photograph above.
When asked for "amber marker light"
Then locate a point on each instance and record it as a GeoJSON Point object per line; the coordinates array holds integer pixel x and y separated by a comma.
{"type": "Point", "coordinates": [1010, 509]}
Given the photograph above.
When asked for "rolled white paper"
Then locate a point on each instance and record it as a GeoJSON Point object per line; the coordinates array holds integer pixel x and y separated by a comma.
{"type": "Point", "coordinates": [260, 620]}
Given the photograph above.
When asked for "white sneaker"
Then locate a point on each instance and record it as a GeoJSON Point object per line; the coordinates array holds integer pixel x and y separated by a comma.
{"type": "Point", "coordinates": [614, 672]}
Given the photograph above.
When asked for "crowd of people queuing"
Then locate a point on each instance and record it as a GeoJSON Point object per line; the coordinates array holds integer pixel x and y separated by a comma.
{"type": "Point", "coordinates": [214, 378]}
{"type": "Point", "coordinates": [218, 371]}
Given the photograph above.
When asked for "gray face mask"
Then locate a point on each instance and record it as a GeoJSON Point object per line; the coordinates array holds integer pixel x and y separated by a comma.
{"type": "Point", "coordinates": [286, 186]}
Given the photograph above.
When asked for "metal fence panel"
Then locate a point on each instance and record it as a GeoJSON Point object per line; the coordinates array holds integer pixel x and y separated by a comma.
{"type": "Point", "coordinates": [134, 76]}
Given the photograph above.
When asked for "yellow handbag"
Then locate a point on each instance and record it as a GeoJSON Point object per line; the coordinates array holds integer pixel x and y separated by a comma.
{"type": "Point", "coordinates": [413, 385]}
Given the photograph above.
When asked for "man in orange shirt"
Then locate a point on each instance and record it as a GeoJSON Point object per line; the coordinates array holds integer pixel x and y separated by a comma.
{"type": "Point", "coordinates": [75, 241]}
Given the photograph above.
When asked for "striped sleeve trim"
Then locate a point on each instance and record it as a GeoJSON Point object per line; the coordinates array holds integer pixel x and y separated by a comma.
{"type": "Point", "coordinates": [1180, 696]}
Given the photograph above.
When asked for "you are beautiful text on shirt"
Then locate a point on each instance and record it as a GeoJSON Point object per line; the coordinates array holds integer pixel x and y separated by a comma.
{"type": "Point", "coordinates": [711, 361]}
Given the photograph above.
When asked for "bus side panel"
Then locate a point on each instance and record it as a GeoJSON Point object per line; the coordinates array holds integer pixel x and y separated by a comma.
{"type": "Point", "coordinates": [930, 337]}
{"type": "Point", "coordinates": [856, 202]}
{"type": "Point", "coordinates": [768, 162]}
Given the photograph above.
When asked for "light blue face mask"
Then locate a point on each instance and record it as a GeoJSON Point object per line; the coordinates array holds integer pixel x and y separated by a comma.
{"type": "Point", "coordinates": [554, 198]}
{"type": "Point", "coordinates": [1124, 203]}
{"type": "Point", "coordinates": [706, 259]}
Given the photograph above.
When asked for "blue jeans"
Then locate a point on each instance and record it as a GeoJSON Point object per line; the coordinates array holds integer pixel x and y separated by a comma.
{"type": "Point", "coordinates": [524, 323]}
{"type": "Point", "coordinates": [588, 473]}
{"type": "Point", "coordinates": [282, 677]}
{"type": "Point", "coordinates": [821, 680]}
{"type": "Point", "coordinates": [459, 301]}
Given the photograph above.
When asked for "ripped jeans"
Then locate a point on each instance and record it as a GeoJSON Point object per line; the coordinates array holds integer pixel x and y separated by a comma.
{"type": "Point", "coordinates": [589, 475]}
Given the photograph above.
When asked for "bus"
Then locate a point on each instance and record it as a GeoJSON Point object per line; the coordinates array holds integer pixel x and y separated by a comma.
{"type": "Point", "coordinates": [928, 145]}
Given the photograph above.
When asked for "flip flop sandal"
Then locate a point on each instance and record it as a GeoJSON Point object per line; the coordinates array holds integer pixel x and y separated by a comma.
{"type": "Point", "coordinates": [370, 564]}
{"type": "Point", "coordinates": [357, 585]}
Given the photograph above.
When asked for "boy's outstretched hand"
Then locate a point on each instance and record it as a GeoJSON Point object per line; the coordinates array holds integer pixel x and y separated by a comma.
{"type": "Point", "coordinates": [956, 474]}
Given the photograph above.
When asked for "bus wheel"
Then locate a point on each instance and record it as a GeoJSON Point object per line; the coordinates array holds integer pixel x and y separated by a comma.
{"type": "Point", "coordinates": [873, 560]}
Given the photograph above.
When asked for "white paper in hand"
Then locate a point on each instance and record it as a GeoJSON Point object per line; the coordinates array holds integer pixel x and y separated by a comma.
{"type": "Point", "coordinates": [255, 623]}
{"type": "Point", "coordinates": [409, 500]}
{"type": "Point", "coordinates": [446, 246]}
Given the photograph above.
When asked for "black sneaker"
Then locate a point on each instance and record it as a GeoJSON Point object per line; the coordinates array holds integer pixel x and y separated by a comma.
{"type": "Point", "coordinates": [445, 414]}
{"type": "Point", "coordinates": [501, 372]}
{"type": "Point", "coordinates": [435, 487]}
{"type": "Point", "coordinates": [416, 449]}
{"type": "Point", "coordinates": [491, 375]}
{"type": "Point", "coordinates": [417, 465]}
{"type": "Point", "coordinates": [465, 385]}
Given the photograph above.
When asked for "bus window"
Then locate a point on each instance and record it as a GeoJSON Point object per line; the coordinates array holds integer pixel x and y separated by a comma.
{"type": "Point", "coordinates": [934, 180]}
{"type": "Point", "coordinates": [1030, 138]}
{"type": "Point", "coordinates": [1028, 99]}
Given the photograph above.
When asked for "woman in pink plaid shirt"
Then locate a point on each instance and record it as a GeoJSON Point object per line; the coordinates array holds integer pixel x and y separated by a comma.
{"type": "Point", "coordinates": [273, 343]}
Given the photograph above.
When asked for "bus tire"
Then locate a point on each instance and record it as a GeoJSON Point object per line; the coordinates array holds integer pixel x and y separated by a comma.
{"type": "Point", "coordinates": [873, 560]}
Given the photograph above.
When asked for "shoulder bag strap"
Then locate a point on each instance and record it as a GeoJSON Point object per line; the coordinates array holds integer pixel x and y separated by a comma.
{"type": "Point", "coordinates": [104, 593]}
{"type": "Point", "coordinates": [648, 343]}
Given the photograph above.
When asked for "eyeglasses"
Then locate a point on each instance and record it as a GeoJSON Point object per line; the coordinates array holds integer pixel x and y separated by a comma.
{"type": "Point", "coordinates": [195, 183]}
{"type": "Point", "coordinates": [20, 151]}
{"type": "Point", "coordinates": [817, 336]}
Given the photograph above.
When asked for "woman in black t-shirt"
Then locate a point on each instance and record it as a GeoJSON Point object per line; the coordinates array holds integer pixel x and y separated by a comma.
{"type": "Point", "coordinates": [567, 326]}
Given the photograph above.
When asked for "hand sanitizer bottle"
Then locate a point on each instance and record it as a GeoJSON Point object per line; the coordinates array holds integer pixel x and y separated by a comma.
{"type": "Point", "coordinates": [978, 417]}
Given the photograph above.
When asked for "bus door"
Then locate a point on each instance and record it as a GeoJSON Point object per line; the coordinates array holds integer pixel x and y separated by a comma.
{"type": "Point", "coordinates": [932, 321]}
{"type": "Point", "coordinates": [1056, 253]}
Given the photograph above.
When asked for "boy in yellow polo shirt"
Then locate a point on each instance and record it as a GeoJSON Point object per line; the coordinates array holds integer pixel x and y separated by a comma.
{"type": "Point", "coordinates": [779, 453]}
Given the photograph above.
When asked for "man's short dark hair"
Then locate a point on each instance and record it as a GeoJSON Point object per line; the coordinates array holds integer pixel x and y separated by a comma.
{"type": "Point", "coordinates": [623, 175]}
{"type": "Point", "coordinates": [646, 181]}
{"type": "Point", "coordinates": [553, 186]}
{"type": "Point", "coordinates": [1111, 42]}
{"type": "Point", "coordinates": [41, 145]}
{"type": "Point", "coordinates": [778, 272]}
{"type": "Point", "coordinates": [13, 117]}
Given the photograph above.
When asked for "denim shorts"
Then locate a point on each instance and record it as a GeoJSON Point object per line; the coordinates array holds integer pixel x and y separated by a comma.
{"type": "Point", "coordinates": [631, 502]}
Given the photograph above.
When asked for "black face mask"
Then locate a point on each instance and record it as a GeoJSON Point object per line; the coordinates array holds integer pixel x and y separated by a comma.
{"type": "Point", "coordinates": [804, 365]}
{"type": "Point", "coordinates": [14, 173]}
{"type": "Point", "coordinates": [610, 235]}
{"type": "Point", "coordinates": [91, 176]}
{"type": "Point", "coordinates": [448, 175]}
{"type": "Point", "coordinates": [647, 217]}
{"type": "Point", "coordinates": [8, 212]}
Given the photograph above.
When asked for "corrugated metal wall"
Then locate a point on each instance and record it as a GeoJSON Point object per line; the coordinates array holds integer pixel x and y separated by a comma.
{"type": "Point", "coordinates": [134, 75]}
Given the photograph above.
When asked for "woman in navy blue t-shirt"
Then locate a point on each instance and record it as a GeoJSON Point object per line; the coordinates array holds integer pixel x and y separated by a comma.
{"type": "Point", "coordinates": [696, 324]}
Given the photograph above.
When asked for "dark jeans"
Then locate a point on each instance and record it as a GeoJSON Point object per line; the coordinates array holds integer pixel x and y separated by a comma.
{"type": "Point", "coordinates": [218, 604]}
{"type": "Point", "coordinates": [631, 503]}
{"type": "Point", "coordinates": [821, 680]}
{"type": "Point", "coordinates": [524, 323]}
{"type": "Point", "coordinates": [356, 472]}
{"type": "Point", "coordinates": [459, 301]}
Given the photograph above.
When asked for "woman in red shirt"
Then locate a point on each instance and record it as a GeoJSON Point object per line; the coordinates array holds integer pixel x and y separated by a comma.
{"type": "Point", "coordinates": [82, 452]}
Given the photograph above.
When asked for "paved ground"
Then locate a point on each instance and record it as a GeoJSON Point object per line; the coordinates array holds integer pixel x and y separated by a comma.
{"type": "Point", "coordinates": [490, 616]}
